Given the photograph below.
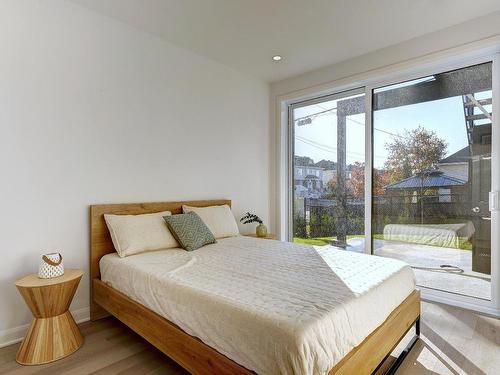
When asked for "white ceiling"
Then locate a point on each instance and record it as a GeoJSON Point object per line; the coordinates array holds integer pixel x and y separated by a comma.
{"type": "Point", "coordinates": [309, 34]}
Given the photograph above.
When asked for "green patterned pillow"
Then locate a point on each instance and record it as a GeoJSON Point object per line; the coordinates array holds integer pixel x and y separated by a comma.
{"type": "Point", "coordinates": [189, 230]}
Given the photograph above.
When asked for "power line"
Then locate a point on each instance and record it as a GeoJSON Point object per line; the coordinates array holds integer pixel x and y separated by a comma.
{"type": "Point", "coordinates": [317, 114]}
{"type": "Point", "coordinates": [374, 128]}
{"type": "Point", "coordinates": [314, 114]}
{"type": "Point", "coordinates": [330, 149]}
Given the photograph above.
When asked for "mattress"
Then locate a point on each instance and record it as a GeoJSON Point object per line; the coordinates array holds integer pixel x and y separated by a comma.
{"type": "Point", "coordinates": [271, 306]}
{"type": "Point", "coordinates": [443, 235]}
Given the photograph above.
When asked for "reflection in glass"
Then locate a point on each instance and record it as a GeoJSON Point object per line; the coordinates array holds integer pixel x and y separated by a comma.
{"type": "Point", "coordinates": [432, 176]}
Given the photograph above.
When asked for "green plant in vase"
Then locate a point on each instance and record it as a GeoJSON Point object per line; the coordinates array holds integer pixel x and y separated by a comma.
{"type": "Point", "coordinates": [261, 229]}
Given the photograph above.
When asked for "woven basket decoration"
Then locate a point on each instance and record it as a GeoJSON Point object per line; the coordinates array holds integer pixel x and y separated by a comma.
{"type": "Point", "coordinates": [51, 265]}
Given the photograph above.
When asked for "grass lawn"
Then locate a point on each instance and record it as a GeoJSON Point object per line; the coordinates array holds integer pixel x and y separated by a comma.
{"type": "Point", "coordinates": [321, 241]}
{"type": "Point", "coordinates": [464, 244]}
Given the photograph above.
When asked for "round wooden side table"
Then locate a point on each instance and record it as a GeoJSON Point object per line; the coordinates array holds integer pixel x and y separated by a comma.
{"type": "Point", "coordinates": [53, 333]}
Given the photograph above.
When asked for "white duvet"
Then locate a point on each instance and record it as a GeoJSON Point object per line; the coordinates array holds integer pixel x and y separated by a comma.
{"type": "Point", "coordinates": [273, 307]}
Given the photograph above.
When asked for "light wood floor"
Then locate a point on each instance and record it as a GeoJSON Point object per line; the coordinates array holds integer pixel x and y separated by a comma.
{"type": "Point", "coordinates": [453, 341]}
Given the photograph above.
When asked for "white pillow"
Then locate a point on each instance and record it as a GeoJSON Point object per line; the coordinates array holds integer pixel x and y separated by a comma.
{"type": "Point", "coordinates": [219, 219]}
{"type": "Point", "coordinates": [133, 234]}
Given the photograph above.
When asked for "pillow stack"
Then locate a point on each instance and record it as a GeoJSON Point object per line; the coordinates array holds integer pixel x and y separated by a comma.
{"type": "Point", "coordinates": [196, 227]}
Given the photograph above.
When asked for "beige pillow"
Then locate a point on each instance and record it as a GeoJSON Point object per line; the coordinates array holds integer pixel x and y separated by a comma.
{"type": "Point", "coordinates": [219, 219]}
{"type": "Point", "coordinates": [133, 234]}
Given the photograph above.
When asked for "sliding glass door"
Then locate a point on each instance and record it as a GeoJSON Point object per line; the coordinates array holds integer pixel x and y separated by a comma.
{"type": "Point", "coordinates": [432, 178]}
{"type": "Point", "coordinates": [421, 194]}
{"type": "Point", "coordinates": [328, 164]}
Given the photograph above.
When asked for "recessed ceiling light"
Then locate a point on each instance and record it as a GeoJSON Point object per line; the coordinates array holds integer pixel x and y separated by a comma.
{"type": "Point", "coordinates": [277, 58]}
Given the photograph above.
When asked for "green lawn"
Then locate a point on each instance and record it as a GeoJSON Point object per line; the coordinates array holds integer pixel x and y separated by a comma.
{"type": "Point", "coordinates": [320, 241]}
{"type": "Point", "coordinates": [464, 244]}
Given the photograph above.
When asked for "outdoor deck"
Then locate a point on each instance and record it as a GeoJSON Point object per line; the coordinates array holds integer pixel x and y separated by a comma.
{"type": "Point", "coordinates": [426, 261]}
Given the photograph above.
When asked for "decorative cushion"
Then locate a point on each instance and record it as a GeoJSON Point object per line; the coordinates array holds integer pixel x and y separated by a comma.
{"type": "Point", "coordinates": [134, 234]}
{"type": "Point", "coordinates": [189, 230]}
{"type": "Point", "coordinates": [219, 219]}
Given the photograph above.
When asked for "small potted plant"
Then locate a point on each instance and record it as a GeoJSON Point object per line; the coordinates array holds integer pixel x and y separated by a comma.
{"type": "Point", "coordinates": [261, 229]}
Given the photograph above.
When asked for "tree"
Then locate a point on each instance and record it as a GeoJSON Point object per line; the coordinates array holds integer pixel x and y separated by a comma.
{"type": "Point", "coordinates": [414, 152]}
{"type": "Point", "coordinates": [356, 183]}
{"type": "Point", "coordinates": [331, 189]}
{"type": "Point", "coordinates": [303, 160]}
{"type": "Point", "coordinates": [381, 178]}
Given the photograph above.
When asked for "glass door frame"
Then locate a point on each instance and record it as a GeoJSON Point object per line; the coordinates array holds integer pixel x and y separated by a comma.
{"type": "Point", "coordinates": [397, 76]}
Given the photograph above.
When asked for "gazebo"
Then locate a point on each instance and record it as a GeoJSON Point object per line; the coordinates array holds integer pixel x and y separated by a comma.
{"type": "Point", "coordinates": [433, 179]}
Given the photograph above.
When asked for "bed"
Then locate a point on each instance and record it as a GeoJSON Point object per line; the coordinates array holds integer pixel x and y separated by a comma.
{"type": "Point", "coordinates": [245, 305]}
{"type": "Point", "coordinates": [442, 235]}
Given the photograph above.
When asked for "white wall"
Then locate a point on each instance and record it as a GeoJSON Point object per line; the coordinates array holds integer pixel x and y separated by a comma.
{"type": "Point", "coordinates": [95, 111]}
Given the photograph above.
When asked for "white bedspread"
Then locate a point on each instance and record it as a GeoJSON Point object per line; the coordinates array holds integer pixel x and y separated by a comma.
{"type": "Point", "coordinates": [443, 235]}
{"type": "Point", "coordinates": [273, 307]}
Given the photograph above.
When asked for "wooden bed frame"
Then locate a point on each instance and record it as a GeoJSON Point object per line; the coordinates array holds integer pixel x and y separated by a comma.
{"type": "Point", "coordinates": [190, 352]}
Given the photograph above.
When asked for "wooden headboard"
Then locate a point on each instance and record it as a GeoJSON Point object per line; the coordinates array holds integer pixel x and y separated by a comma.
{"type": "Point", "coordinates": [100, 240]}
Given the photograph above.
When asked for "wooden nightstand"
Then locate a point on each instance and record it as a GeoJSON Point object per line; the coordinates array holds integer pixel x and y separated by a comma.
{"type": "Point", "coordinates": [53, 333]}
{"type": "Point", "coordinates": [269, 236]}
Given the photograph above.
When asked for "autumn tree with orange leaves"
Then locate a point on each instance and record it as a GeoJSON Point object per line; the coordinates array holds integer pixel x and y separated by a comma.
{"type": "Point", "coordinates": [356, 183]}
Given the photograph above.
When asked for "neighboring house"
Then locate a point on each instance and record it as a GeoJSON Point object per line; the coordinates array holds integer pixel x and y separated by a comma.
{"type": "Point", "coordinates": [314, 177]}
{"type": "Point", "coordinates": [307, 175]}
{"type": "Point", "coordinates": [329, 175]}
{"type": "Point", "coordinates": [326, 164]}
{"type": "Point", "coordinates": [457, 164]}
{"type": "Point", "coordinates": [445, 187]}
{"type": "Point", "coordinates": [329, 171]}
{"type": "Point", "coordinates": [447, 182]}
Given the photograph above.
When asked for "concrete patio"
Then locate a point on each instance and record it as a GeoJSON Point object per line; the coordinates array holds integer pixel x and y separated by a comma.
{"type": "Point", "coordinates": [426, 261]}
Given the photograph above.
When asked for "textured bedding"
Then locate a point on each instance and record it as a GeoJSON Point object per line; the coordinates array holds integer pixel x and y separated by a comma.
{"type": "Point", "coordinates": [273, 307]}
{"type": "Point", "coordinates": [443, 235]}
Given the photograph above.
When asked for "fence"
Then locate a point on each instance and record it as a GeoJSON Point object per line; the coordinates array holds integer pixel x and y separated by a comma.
{"type": "Point", "coordinates": [322, 217]}
{"type": "Point", "coordinates": [427, 209]}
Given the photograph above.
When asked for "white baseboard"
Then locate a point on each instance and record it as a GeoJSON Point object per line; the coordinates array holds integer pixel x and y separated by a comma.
{"type": "Point", "coordinates": [13, 335]}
